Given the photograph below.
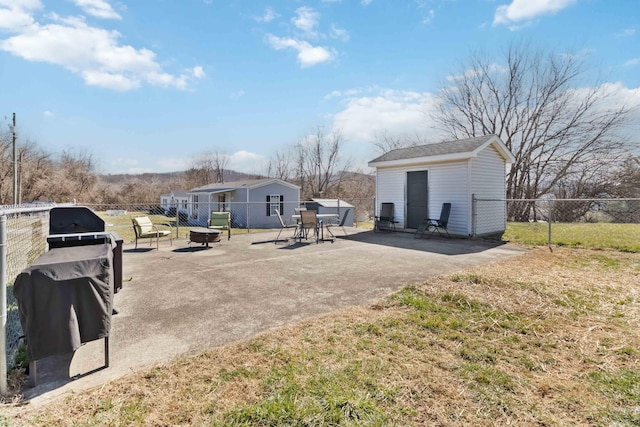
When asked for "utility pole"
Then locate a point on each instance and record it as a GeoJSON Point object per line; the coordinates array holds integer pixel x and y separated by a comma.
{"type": "Point", "coordinates": [15, 163]}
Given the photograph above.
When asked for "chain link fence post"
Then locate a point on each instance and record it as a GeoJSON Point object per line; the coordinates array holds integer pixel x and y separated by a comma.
{"type": "Point", "coordinates": [3, 304]}
{"type": "Point", "coordinates": [474, 211]}
{"type": "Point", "coordinates": [550, 220]}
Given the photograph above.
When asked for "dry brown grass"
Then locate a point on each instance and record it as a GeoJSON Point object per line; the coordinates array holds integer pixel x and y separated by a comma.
{"type": "Point", "coordinates": [541, 339]}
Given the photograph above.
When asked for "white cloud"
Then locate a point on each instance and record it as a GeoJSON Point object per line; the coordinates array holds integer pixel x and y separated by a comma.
{"type": "Point", "coordinates": [237, 94]}
{"type": "Point", "coordinates": [365, 2]}
{"type": "Point", "coordinates": [339, 33]}
{"type": "Point", "coordinates": [350, 93]}
{"type": "Point", "coordinates": [17, 15]}
{"type": "Point", "coordinates": [395, 112]}
{"type": "Point", "coordinates": [306, 19]}
{"type": "Point", "coordinates": [632, 62]}
{"type": "Point", "coordinates": [308, 55]}
{"type": "Point", "coordinates": [131, 166]}
{"type": "Point", "coordinates": [428, 17]}
{"type": "Point", "coordinates": [627, 32]}
{"type": "Point", "coordinates": [198, 72]}
{"type": "Point", "coordinates": [91, 52]}
{"type": "Point", "coordinates": [48, 113]}
{"type": "Point", "coordinates": [97, 8]}
{"type": "Point", "coordinates": [521, 12]}
{"type": "Point", "coordinates": [174, 163]}
{"type": "Point", "coordinates": [269, 15]}
{"type": "Point", "coordinates": [245, 161]}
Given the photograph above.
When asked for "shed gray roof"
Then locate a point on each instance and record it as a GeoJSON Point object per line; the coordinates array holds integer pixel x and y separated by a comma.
{"type": "Point", "coordinates": [430, 150]}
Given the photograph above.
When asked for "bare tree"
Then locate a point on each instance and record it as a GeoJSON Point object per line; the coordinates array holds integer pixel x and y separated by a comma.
{"type": "Point", "coordinates": [628, 177]}
{"type": "Point", "coordinates": [206, 169]}
{"type": "Point", "coordinates": [280, 166]}
{"type": "Point", "coordinates": [219, 162]}
{"type": "Point", "coordinates": [36, 174]}
{"type": "Point", "coordinates": [385, 142]}
{"type": "Point", "coordinates": [78, 169]}
{"type": "Point", "coordinates": [533, 102]}
{"type": "Point", "coordinates": [318, 163]}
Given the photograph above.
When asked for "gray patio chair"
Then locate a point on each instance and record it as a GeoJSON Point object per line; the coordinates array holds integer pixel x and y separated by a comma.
{"type": "Point", "coordinates": [385, 221]}
{"type": "Point", "coordinates": [284, 226]}
{"type": "Point", "coordinates": [435, 225]}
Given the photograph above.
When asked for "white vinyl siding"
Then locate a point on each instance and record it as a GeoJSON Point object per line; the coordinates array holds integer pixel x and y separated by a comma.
{"type": "Point", "coordinates": [390, 189]}
{"type": "Point", "coordinates": [448, 182]}
{"type": "Point", "coordinates": [488, 182]}
{"type": "Point", "coordinates": [452, 180]}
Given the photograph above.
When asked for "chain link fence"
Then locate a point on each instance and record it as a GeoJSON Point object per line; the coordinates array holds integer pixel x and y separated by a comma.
{"type": "Point", "coordinates": [23, 231]}
{"type": "Point", "coordinates": [245, 216]}
{"type": "Point", "coordinates": [569, 222]}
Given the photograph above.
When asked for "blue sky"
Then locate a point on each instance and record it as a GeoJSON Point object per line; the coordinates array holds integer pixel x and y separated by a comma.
{"type": "Point", "coordinates": [146, 86]}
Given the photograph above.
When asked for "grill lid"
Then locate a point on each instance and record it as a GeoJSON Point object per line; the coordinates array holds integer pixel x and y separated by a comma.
{"type": "Point", "coordinates": [74, 219]}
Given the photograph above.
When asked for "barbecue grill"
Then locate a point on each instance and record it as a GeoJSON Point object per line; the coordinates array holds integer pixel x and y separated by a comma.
{"type": "Point", "coordinates": [65, 298]}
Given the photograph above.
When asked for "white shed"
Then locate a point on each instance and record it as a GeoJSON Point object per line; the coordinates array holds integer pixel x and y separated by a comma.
{"type": "Point", "coordinates": [418, 180]}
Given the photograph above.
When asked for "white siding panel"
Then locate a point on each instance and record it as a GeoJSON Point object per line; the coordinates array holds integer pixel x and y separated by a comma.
{"type": "Point", "coordinates": [390, 189]}
{"type": "Point", "coordinates": [488, 182]}
{"type": "Point", "coordinates": [448, 182]}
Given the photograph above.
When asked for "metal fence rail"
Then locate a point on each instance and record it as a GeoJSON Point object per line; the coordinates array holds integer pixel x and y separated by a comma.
{"type": "Point", "coordinates": [244, 215]}
{"type": "Point", "coordinates": [557, 211]}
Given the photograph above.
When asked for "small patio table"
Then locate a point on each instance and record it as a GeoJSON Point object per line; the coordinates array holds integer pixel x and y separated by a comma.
{"type": "Point", "coordinates": [319, 218]}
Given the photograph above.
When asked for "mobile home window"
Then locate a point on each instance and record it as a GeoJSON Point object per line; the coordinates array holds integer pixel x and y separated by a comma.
{"type": "Point", "coordinates": [275, 201]}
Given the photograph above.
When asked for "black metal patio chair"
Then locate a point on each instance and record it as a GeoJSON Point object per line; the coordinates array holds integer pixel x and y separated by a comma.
{"type": "Point", "coordinates": [385, 221]}
{"type": "Point", "coordinates": [435, 225]}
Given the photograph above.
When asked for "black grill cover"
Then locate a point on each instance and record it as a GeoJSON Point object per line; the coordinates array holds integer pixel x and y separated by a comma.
{"type": "Point", "coordinates": [65, 299]}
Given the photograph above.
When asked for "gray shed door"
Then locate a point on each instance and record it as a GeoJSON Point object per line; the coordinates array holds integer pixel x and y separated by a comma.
{"type": "Point", "coordinates": [417, 196]}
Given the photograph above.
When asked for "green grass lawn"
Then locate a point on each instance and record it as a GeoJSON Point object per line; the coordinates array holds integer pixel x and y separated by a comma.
{"type": "Point", "coordinates": [122, 225]}
{"type": "Point", "coordinates": [622, 237]}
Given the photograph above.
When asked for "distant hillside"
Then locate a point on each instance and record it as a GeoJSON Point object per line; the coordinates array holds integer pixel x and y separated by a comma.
{"type": "Point", "coordinates": [169, 177]}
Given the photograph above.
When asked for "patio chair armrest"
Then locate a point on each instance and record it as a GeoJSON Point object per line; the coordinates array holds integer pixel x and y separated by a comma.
{"type": "Point", "coordinates": [164, 224]}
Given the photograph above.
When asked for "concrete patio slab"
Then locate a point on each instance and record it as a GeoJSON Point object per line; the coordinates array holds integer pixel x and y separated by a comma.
{"type": "Point", "coordinates": [186, 298]}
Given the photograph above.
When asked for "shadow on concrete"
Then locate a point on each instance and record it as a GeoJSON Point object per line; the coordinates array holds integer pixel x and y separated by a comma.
{"type": "Point", "coordinates": [434, 244]}
{"type": "Point", "coordinates": [194, 248]}
{"type": "Point", "coordinates": [53, 372]}
{"type": "Point", "coordinates": [272, 241]}
{"type": "Point", "coordinates": [296, 245]}
{"type": "Point", "coordinates": [139, 250]}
